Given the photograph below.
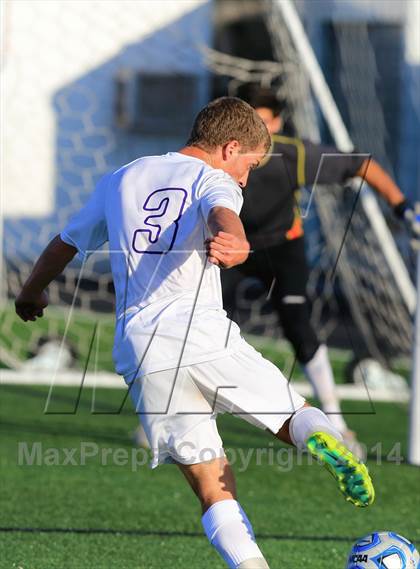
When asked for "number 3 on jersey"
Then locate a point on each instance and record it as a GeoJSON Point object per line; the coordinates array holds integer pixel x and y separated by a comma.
{"type": "Point", "coordinates": [158, 232]}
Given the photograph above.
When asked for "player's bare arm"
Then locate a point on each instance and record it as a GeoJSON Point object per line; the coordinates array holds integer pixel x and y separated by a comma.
{"type": "Point", "coordinates": [381, 181]}
{"type": "Point", "coordinates": [228, 247]}
{"type": "Point", "coordinates": [33, 299]}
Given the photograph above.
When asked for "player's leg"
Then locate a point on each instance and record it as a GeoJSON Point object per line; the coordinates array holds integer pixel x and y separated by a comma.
{"type": "Point", "coordinates": [181, 427]}
{"type": "Point", "coordinates": [211, 481]}
{"type": "Point", "coordinates": [249, 386]}
{"type": "Point", "coordinates": [283, 270]}
{"type": "Point", "coordinates": [225, 523]}
{"type": "Point", "coordinates": [309, 428]}
{"type": "Point", "coordinates": [288, 296]}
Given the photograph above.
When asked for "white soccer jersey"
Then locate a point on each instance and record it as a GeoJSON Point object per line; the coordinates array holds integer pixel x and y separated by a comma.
{"type": "Point", "coordinates": [154, 214]}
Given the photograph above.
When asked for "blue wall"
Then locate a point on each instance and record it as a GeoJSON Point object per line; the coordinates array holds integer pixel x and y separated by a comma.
{"type": "Point", "coordinates": [88, 143]}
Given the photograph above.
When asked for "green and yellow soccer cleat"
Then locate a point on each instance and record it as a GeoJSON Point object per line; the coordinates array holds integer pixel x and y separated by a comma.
{"type": "Point", "coordinates": [352, 476]}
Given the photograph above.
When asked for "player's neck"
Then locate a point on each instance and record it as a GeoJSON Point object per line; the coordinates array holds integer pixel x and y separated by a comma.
{"type": "Point", "coordinates": [196, 152]}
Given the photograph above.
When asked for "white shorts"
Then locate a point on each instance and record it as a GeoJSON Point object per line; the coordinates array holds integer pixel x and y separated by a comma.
{"type": "Point", "coordinates": [178, 407]}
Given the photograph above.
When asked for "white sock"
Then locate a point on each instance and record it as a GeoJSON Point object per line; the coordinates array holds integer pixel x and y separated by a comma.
{"type": "Point", "coordinates": [230, 532]}
{"type": "Point", "coordinates": [318, 371]}
{"type": "Point", "coordinates": [255, 563]}
{"type": "Point", "coordinates": [307, 421]}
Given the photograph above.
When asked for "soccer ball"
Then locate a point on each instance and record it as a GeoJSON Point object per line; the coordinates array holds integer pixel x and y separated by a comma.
{"type": "Point", "coordinates": [383, 549]}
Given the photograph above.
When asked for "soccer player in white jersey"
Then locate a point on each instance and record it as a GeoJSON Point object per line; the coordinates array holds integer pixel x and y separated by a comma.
{"type": "Point", "coordinates": [172, 223]}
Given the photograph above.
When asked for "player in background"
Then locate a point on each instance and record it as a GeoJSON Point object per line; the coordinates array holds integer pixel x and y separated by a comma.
{"type": "Point", "coordinates": [172, 223]}
{"type": "Point", "coordinates": [274, 228]}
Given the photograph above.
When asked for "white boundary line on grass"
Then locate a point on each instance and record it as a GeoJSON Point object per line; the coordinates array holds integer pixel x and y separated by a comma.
{"type": "Point", "coordinates": [113, 381]}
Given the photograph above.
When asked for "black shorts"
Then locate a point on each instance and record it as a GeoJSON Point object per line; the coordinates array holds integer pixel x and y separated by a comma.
{"type": "Point", "coordinates": [285, 262]}
{"type": "Point", "coordinates": [284, 273]}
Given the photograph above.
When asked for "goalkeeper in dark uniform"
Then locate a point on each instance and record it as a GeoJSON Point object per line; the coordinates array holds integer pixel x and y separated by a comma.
{"type": "Point", "coordinates": [274, 229]}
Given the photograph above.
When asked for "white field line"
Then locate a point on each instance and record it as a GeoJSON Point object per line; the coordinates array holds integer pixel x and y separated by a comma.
{"type": "Point", "coordinates": [113, 381]}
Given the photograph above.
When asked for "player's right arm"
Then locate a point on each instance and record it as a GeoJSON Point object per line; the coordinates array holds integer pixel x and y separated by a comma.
{"type": "Point", "coordinates": [229, 246]}
{"type": "Point", "coordinates": [33, 299]}
{"type": "Point", "coordinates": [221, 201]}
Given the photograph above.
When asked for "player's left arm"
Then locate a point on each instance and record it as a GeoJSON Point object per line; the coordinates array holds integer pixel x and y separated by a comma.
{"type": "Point", "coordinates": [33, 298]}
{"type": "Point", "coordinates": [385, 186]}
{"type": "Point", "coordinates": [327, 165]}
{"type": "Point", "coordinates": [381, 181]}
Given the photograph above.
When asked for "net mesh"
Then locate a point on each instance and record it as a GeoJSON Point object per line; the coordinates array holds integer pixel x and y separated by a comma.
{"type": "Point", "coordinates": [352, 250]}
{"type": "Point", "coordinates": [347, 256]}
{"type": "Point", "coordinates": [67, 123]}
{"type": "Point", "coordinates": [77, 98]}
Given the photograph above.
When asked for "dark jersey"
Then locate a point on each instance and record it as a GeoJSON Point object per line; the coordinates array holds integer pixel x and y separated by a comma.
{"type": "Point", "coordinates": [270, 213]}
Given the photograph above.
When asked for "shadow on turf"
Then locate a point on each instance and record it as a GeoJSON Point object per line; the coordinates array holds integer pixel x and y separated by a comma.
{"type": "Point", "coordinates": [58, 430]}
{"type": "Point", "coordinates": [157, 533]}
{"type": "Point", "coordinates": [41, 393]}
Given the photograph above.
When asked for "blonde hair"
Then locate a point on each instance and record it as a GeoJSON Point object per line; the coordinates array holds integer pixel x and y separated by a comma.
{"type": "Point", "coordinates": [226, 119]}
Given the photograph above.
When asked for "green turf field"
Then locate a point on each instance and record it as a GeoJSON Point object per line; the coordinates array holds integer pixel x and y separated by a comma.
{"type": "Point", "coordinates": [111, 515]}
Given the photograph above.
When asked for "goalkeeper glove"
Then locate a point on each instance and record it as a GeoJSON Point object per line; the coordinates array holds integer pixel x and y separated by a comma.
{"type": "Point", "coordinates": [410, 214]}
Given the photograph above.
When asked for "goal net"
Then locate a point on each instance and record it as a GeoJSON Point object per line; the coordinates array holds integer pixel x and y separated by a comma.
{"type": "Point", "coordinates": [358, 241]}
{"type": "Point", "coordinates": [92, 85]}
{"type": "Point", "coordinates": [357, 266]}
{"type": "Point", "coordinates": [86, 87]}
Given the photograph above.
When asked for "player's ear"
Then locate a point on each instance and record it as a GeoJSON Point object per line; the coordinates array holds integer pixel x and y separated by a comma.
{"type": "Point", "coordinates": [230, 149]}
{"type": "Point", "coordinates": [277, 123]}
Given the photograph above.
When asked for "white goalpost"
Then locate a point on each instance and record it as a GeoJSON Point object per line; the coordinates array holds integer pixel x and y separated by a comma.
{"type": "Point", "coordinates": [414, 440]}
{"type": "Point", "coordinates": [344, 143]}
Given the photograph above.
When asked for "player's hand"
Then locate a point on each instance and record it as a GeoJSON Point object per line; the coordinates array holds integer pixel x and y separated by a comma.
{"type": "Point", "coordinates": [410, 214]}
{"type": "Point", "coordinates": [31, 306]}
{"type": "Point", "coordinates": [226, 250]}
